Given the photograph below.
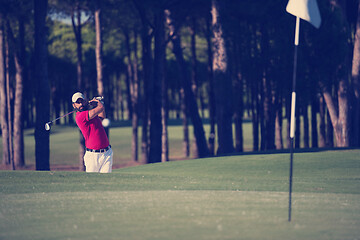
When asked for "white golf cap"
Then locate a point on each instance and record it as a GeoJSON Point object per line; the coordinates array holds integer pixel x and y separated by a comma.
{"type": "Point", "coordinates": [76, 96]}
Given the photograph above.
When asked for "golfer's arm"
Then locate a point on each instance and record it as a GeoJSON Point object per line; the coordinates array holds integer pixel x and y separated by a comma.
{"type": "Point", "coordinates": [98, 111]}
{"type": "Point", "coordinates": [102, 115]}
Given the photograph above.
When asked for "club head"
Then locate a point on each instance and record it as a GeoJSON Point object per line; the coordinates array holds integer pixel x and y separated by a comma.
{"type": "Point", "coordinates": [47, 126]}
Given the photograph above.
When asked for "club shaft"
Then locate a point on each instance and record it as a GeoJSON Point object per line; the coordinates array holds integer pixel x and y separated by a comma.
{"type": "Point", "coordinates": [62, 116]}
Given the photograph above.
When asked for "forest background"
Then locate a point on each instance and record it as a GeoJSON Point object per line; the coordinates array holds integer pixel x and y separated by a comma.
{"type": "Point", "coordinates": [202, 60]}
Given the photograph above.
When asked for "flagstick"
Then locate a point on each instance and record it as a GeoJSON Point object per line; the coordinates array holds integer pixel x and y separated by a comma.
{"type": "Point", "coordinates": [292, 121]}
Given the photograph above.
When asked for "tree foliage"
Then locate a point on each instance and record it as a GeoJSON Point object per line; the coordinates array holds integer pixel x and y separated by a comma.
{"type": "Point", "coordinates": [258, 38]}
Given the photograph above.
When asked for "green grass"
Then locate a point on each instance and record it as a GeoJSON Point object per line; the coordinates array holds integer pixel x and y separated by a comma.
{"type": "Point", "coordinates": [237, 197]}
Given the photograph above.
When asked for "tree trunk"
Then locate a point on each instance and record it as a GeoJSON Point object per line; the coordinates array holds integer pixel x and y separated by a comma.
{"type": "Point", "coordinates": [314, 133]}
{"type": "Point", "coordinates": [278, 125]}
{"type": "Point", "coordinates": [343, 97]}
{"type": "Point", "coordinates": [133, 96]}
{"type": "Point", "coordinates": [135, 92]}
{"type": "Point", "coordinates": [261, 114]}
{"type": "Point", "coordinates": [223, 85]}
{"type": "Point", "coordinates": [99, 50]}
{"type": "Point", "coordinates": [3, 101]}
{"type": "Point", "coordinates": [329, 141]}
{"type": "Point", "coordinates": [306, 126]}
{"type": "Point", "coordinates": [268, 131]}
{"type": "Point", "coordinates": [99, 59]}
{"type": "Point", "coordinates": [185, 124]}
{"type": "Point", "coordinates": [147, 62]}
{"type": "Point", "coordinates": [339, 114]}
{"type": "Point", "coordinates": [339, 120]}
{"type": "Point", "coordinates": [164, 117]}
{"type": "Point", "coordinates": [211, 91]}
{"type": "Point", "coordinates": [268, 120]}
{"type": "Point", "coordinates": [239, 105]}
{"type": "Point", "coordinates": [322, 131]}
{"type": "Point", "coordinates": [194, 80]}
{"type": "Point", "coordinates": [191, 103]}
{"type": "Point", "coordinates": [129, 75]}
{"type": "Point", "coordinates": [355, 74]}
{"type": "Point", "coordinates": [255, 108]}
{"type": "Point", "coordinates": [42, 151]}
{"type": "Point", "coordinates": [128, 94]}
{"type": "Point", "coordinates": [18, 146]}
{"type": "Point", "coordinates": [238, 125]}
{"type": "Point", "coordinates": [9, 94]}
{"type": "Point", "coordinates": [156, 92]}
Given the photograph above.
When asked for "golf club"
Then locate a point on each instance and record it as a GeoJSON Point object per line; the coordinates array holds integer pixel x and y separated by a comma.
{"type": "Point", "coordinates": [48, 124]}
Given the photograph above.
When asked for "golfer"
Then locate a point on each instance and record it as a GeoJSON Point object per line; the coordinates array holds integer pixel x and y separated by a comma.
{"type": "Point", "coordinates": [99, 155]}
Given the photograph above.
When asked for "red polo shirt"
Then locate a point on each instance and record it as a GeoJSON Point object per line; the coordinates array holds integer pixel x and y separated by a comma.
{"type": "Point", "coordinates": [93, 131]}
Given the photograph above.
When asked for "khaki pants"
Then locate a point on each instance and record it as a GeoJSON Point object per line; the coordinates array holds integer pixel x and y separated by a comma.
{"type": "Point", "coordinates": [99, 162]}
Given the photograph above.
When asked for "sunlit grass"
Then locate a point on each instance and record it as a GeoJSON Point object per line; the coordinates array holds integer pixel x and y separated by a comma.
{"type": "Point", "coordinates": [236, 197]}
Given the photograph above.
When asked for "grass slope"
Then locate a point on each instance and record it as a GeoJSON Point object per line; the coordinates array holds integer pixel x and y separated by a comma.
{"type": "Point", "coordinates": [237, 197]}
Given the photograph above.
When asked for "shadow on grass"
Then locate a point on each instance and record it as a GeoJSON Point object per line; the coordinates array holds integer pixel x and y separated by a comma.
{"type": "Point", "coordinates": [297, 150]}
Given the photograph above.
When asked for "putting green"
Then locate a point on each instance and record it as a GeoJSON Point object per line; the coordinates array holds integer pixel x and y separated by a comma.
{"type": "Point", "coordinates": [235, 197]}
{"type": "Point", "coordinates": [178, 215]}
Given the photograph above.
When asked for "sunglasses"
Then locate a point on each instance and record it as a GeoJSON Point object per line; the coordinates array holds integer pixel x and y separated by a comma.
{"type": "Point", "coordinates": [80, 100]}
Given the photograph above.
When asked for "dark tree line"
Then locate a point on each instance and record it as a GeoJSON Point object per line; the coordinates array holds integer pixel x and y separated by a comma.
{"type": "Point", "coordinates": [151, 59]}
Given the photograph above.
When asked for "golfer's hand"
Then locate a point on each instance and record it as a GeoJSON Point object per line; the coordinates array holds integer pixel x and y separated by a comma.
{"type": "Point", "coordinates": [99, 109]}
{"type": "Point", "coordinates": [93, 103]}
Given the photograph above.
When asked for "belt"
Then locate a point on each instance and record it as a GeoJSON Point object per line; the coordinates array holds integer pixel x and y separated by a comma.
{"type": "Point", "coordinates": [99, 150]}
